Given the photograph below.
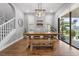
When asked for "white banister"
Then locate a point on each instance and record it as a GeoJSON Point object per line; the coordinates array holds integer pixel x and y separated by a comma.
{"type": "Point", "coordinates": [7, 22]}
{"type": "Point", "coordinates": [6, 28]}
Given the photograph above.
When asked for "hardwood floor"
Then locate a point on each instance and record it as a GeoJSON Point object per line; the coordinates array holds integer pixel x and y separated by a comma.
{"type": "Point", "coordinates": [60, 49]}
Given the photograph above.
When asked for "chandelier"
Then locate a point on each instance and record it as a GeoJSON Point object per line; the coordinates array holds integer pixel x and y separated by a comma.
{"type": "Point", "coordinates": [39, 11]}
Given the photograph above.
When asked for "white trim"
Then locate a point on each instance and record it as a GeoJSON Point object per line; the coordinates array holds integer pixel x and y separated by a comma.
{"type": "Point", "coordinates": [75, 6]}
{"type": "Point", "coordinates": [11, 43]}
{"type": "Point", "coordinates": [67, 9]}
{"type": "Point", "coordinates": [7, 38]}
{"type": "Point", "coordinates": [7, 22]}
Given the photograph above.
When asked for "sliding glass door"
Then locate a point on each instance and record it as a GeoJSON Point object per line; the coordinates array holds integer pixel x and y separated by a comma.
{"type": "Point", "coordinates": [65, 28]}
{"type": "Point", "coordinates": [75, 28]}
{"type": "Point", "coordinates": [69, 28]}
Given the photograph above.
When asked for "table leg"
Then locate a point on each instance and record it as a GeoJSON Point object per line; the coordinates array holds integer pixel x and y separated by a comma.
{"type": "Point", "coordinates": [31, 47]}
{"type": "Point", "coordinates": [27, 41]}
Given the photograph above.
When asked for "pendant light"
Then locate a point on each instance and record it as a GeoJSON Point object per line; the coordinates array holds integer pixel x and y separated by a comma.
{"type": "Point", "coordinates": [39, 11]}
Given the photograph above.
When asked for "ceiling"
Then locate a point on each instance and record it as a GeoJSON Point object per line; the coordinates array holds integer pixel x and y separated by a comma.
{"type": "Point", "coordinates": [30, 7]}
{"type": "Point", "coordinates": [74, 13]}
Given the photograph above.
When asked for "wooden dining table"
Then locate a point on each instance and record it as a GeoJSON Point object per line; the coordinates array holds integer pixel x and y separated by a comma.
{"type": "Point", "coordinates": [45, 42]}
{"type": "Point", "coordinates": [41, 34]}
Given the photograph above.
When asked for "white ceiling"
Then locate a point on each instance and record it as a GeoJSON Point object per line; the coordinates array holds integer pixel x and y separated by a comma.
{"type": "Point", "coordinates": [30, 7]}
{"type": "Point", "coordinates": [75, 13]}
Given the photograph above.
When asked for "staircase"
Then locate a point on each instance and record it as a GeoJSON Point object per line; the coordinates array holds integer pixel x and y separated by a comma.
{"type": "Point", "coordinates": [5, 30]}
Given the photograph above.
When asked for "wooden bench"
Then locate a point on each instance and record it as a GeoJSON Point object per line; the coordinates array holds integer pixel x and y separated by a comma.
{"type": "Point", "coordinates": [39, 41]}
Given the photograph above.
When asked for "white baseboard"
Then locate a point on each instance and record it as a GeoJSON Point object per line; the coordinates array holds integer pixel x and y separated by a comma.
{"type": "Point", "coordinates": [11, 43]}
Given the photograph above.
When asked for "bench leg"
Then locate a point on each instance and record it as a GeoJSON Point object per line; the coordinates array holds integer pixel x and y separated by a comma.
{"type": "Point", "coordinates": [31, 47]}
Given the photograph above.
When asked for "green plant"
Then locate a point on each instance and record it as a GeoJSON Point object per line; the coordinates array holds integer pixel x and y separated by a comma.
{"type": "Point", "coordinates": [73, 33]}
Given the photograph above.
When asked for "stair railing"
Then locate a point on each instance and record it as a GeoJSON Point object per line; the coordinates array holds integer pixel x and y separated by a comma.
{"type": "Point", "coordinates": [6, 28]}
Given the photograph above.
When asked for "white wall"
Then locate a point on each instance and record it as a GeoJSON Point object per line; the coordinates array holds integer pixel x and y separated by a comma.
{"type": "Point", "coordinates": [19, 15]}
{"type": "Point", "coordinates": [6, 11]}
{"type": "Point", "coordinates": [31, 18]}
{"type": "Point", "coordinates": [25, 22]}
{"type": "Point", "coordinates": [48, 19]}
{"type": "Point", "coordinates": [19, 30]}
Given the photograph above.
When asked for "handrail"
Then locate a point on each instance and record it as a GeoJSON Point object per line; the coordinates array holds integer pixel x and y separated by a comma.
{"type": "Point", "coordinates": [6, 28]}
{"type": "Point", "coordinates": [7, 22]}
